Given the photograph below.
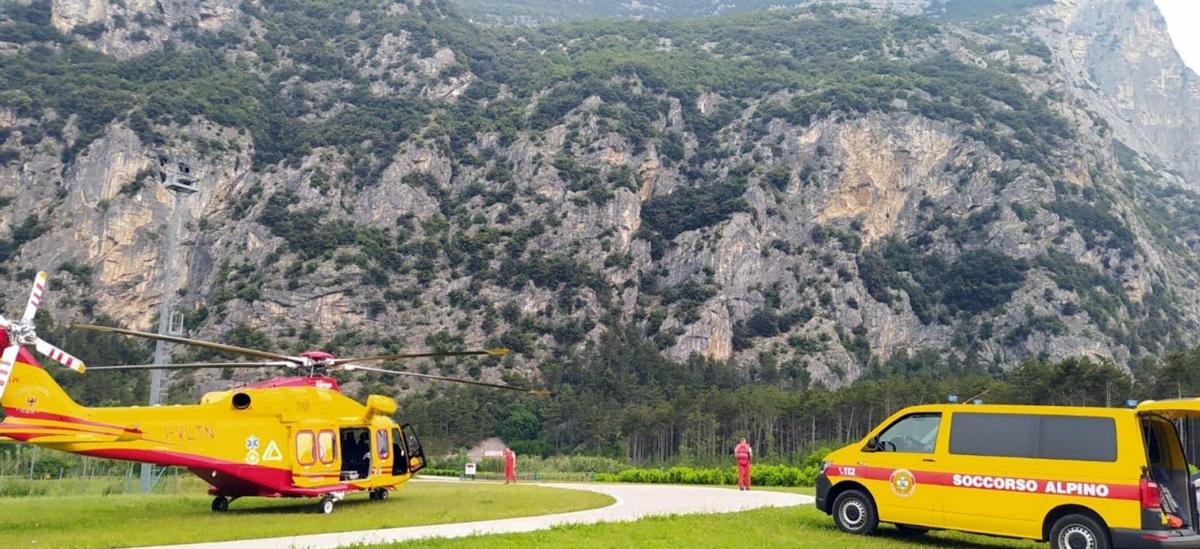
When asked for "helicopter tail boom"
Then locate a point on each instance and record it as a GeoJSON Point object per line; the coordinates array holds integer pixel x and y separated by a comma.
{"type": "Point", "coordinates": [32, 394]}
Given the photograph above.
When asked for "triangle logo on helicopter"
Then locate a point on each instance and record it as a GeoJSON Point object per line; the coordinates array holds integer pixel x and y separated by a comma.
{"type": "Point", "coordinates": [272, 452]}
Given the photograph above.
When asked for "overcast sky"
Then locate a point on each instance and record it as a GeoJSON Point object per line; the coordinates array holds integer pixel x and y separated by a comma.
{"type": "Point", "coordinates": [1183, 20]}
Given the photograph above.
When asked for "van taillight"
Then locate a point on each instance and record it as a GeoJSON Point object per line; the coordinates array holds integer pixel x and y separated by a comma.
{"type": "Point", "coordinates": [1150, 496]}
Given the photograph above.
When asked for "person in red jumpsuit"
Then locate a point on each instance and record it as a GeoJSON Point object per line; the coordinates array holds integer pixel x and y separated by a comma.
{"type": "Point", "coordinates": [742, 453]}
{"type": "Point", "coordinates": [510, 466]}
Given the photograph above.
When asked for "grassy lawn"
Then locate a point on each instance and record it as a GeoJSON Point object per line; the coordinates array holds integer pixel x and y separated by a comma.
{"type": "Point", "coordinates": [788, 527]}
{"type": "Point", "coordinates": [128, 520]}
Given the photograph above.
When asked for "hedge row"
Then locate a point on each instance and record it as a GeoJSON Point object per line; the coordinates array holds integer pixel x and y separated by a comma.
{"type": "Point", "coordinates": [762, 475]}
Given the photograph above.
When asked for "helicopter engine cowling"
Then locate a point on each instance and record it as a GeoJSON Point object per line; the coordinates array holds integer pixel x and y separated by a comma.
{"type": "Point", "coordinates": [382, 405]}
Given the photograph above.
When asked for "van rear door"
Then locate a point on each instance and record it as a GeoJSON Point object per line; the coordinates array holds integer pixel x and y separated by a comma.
{"type": "Point", "coordinates": [1172, 408]}
{"type": "Point", "coordinates": [1166, 460]}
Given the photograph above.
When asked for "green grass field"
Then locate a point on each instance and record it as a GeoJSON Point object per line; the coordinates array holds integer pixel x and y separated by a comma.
{"type": "Point", "coordinates": [803, 526]}
{"type": "Point", "coordinates": [128, 519]}
{"type": "Point", "coordinates": [787, 527]}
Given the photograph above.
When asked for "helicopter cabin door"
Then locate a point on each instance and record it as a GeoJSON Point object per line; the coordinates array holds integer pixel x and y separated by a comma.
{"type": "Point", "coordinates": [416, 456]}
{"type": "Point", "coordinates": [357, 457]}
{"type": "Point", "coordinates": [316, 451]}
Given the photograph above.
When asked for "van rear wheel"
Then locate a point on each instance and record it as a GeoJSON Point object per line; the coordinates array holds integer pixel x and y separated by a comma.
{"type": "Point", "coordinates": [854, 512]}
{"type": "Point", "coordinates": [1078, 532]}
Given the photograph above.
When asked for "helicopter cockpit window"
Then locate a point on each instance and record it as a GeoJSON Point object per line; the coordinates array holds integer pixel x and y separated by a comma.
{"type": "Point", "coordinates": [304, 448]}
{"type": "Point", "coordinates": [326, 446]}
{"type": "Point", "coordinates": [381, 443]}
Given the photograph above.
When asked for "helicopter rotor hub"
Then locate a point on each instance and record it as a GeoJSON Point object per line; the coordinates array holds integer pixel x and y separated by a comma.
{"type": "Point", "coordinates": [22, 332]}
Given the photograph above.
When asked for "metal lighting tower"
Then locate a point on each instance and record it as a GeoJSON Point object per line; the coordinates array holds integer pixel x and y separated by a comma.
{"type": "Point", "coordinates": [175, 177]}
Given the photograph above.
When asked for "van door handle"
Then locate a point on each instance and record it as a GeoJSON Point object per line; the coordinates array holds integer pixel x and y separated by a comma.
{"type": "Point", "coordinates": [929, 460]}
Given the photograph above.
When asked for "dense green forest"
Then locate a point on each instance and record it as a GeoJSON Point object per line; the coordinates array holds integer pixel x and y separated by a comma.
{"type": "Point", "coordinates": [620, 398]}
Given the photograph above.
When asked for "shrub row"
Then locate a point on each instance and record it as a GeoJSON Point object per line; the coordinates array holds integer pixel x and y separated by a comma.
{"type": "Point", "coordinates": [532, 464]}
{"type": "Point", "coordinates": [762, 475]}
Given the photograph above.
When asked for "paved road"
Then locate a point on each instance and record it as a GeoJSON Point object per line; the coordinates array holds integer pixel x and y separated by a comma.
{"type": "Point", "coordinates": [633, 501]}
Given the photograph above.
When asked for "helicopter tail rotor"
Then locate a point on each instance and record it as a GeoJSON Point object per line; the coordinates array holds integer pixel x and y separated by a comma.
{"type": "Point", "coordinates": [22, 332]}
{"type": "Point", "coordinates": [59, 355]}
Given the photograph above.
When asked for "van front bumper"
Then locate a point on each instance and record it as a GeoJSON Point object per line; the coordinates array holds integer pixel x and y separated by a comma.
{"type": "Point", "coordinates": [823, 486]}
{"type": "Point", "coordinates": [1137, 539]}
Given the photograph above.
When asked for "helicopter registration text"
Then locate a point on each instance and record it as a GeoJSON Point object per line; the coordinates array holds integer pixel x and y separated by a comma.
{"type": "Point", "coordinates": [188, 432]}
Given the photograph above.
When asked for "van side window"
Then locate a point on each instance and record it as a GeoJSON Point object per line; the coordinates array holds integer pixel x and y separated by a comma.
{"type": "Point", "coordinates": [1079, 438]}
{"type": "Point", "coordinates": [1001, 435]}
{"type": "Point", "coordinates": [912, 434]}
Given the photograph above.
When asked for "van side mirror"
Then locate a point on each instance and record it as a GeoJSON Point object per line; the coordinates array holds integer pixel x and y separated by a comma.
{"type": "Point", "coordinates": [872, 444]}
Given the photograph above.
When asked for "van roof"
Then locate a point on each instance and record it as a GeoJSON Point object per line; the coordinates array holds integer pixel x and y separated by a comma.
{"type": "Point", "coordinates": [1022, 409]}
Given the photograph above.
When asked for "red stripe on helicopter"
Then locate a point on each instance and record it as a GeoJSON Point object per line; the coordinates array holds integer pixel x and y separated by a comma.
{"type": "Point", "coordinates": [6, 425]}
{"type": "Point", "coordinates": [42, 427]}
{"type": "Point", "coordinates": [243, 479]}
{"type": "Point", "coordinates": [30, 414]}
{"type": "Point", "coordinates": [32, 428]}
{"type": "Point", "coordinates": [1002, 483]}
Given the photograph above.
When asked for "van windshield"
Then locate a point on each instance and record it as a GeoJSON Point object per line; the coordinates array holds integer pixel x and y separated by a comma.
{"type": "Point", "coordinates": [916, 433]}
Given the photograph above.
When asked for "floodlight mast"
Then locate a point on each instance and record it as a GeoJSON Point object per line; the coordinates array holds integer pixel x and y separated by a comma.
{"type": "Point", "coordinates": [177, 178]}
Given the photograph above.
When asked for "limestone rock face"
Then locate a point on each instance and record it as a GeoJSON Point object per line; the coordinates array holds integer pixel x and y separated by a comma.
{"type": "Point", "coordinates": [1120, 57]}
{"type": "Point", "coordinates": [882, 168]}
{"type": "Point", "coordinates": [713, 224]}
{"type": "Point", "coordinates": [127, 28]}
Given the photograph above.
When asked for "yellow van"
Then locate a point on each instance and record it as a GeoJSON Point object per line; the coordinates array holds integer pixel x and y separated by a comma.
{"type": "Point", "coordinates": [1081, 478]}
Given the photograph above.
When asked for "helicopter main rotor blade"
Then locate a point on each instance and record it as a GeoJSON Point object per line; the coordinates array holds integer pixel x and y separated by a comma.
{"type": "Point", "coordinates": [195, 365]}
{"type": "Point", "coordinates": [193, 342]}
{"type": "Point", "coordinates": [7, 359]}
{"type": "Point", "coordinates": [35, 296]}
{"type": "Point", "coordinates": [498, 351]}
{"type": "Point", "coordinates": [353, 367]}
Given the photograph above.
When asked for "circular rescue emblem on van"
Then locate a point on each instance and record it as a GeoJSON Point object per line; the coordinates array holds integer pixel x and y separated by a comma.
{"type": "Point", "coordinates": [903, 483]}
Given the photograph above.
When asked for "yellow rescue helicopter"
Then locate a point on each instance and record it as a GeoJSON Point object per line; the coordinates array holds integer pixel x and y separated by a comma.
{"type": "Point", "coordinates": [292, 436]}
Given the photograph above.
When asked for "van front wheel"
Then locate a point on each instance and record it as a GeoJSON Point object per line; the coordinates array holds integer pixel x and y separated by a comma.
{"type": "Point", "coordinates": [1078, 532]}
{"type": "Point", "coordinates": [854, 512]}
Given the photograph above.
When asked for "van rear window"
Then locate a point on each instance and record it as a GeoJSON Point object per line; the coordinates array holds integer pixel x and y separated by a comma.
{"type": "Point", "coordinates": [1034, 436]}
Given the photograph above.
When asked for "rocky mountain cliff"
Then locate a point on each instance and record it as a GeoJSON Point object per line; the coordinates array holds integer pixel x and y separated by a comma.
{"type": "Point", "coordinates": [811, 192]}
